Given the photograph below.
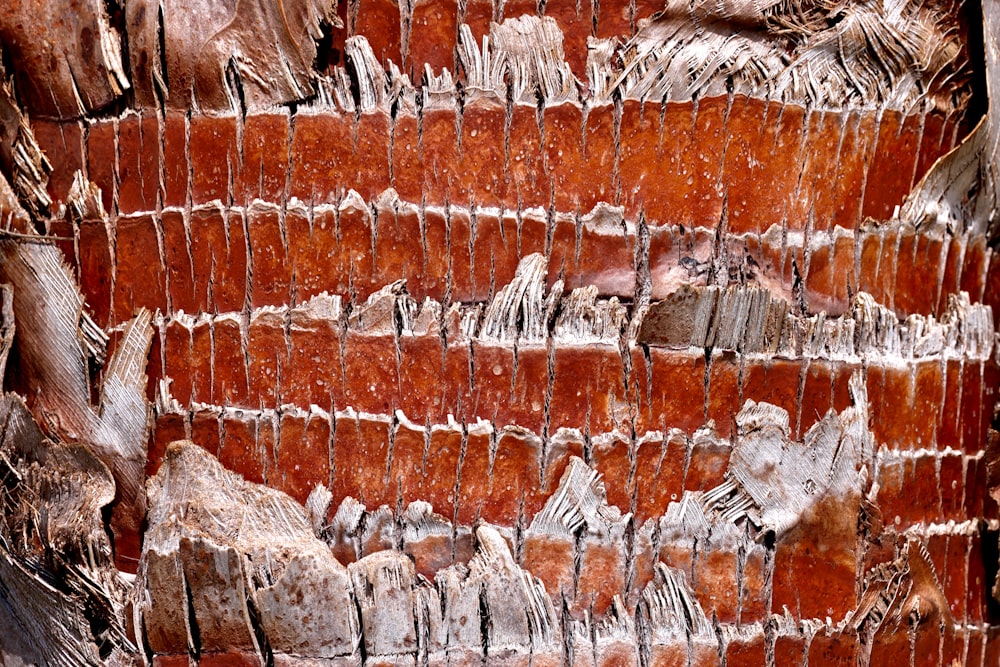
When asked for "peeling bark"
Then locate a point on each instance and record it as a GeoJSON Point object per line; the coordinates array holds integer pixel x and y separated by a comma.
{"type": "Point", "coordinates": [72, 64]}
{"type": "Point", "coordinates": [491, 333]}
{"type": "Point", "coordinates": [940, 203]}
{"type": "Point", "coordinates": [53, 360]}
{"type": "Point", "coordinates": [229, 56]}
{"type": "Point", "coordinates": [63, 597]}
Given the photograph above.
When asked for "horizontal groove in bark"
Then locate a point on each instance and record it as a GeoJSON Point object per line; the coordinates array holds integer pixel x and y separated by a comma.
{"type": "Point", "coordinates": [566, 157]}
{"type": "Point", "coordinates": [215, 259]}
{"type": "Point", "coordinates": [204, 503]}
{"type": "Point", "coordinates": [296, 450]}
{"type": "Point", "coordinates": [916, 405]}
{"type": "Point", "coordinates": [510, 361]}
{"type": "Point", "coordinates": [669, 616]}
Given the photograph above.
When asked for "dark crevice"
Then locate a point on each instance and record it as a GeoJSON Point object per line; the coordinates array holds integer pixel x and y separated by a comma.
{"type": "Point", "coordinates": [258, 630]}
{"type": "Point", "coordinates": [990, 553]}
{"type": "Point", "coordinates": [484, 624]}
{"type": "Point", "coordinates": [194, 635]}
{"type": "Point", "coordinates": [327, 55]}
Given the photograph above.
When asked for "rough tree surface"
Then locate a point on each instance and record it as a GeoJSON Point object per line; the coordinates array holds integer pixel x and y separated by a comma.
{"type": "Point", "coordinates": [465, 332]}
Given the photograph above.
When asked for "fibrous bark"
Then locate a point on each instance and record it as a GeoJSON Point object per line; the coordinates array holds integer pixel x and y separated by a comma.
{"type": "Point", "coordinates": [464, 333]}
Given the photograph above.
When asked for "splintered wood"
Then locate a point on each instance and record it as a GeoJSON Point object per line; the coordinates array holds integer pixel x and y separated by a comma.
{"type": "Point", "coordinates": [499, 333]}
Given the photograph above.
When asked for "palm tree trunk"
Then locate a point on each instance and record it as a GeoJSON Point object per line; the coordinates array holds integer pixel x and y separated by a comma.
{"type": "Point", "coordinates": [498, 332]}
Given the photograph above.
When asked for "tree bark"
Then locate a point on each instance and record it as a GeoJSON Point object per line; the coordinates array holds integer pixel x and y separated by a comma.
{"type": "Point", "coordinates": [509, 333]}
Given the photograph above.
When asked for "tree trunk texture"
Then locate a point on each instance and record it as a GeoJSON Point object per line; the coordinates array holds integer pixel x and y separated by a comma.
{"type": "Point", "coordinates": [486, 332]}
